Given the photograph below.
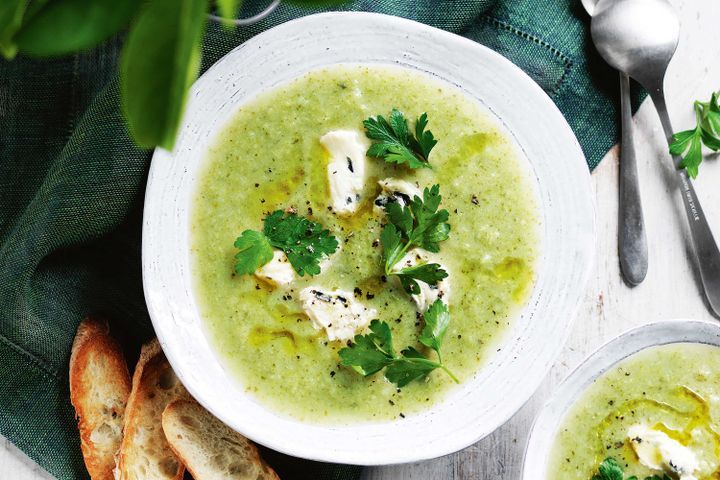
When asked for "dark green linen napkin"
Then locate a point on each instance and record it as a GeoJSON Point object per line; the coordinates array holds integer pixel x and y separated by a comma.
{"type": "Point", "coordinates": [72, 183]}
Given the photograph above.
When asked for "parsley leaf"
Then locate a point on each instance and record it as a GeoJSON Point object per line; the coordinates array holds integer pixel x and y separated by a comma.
{"type": "Point", "coordinates": [688, 143]}
{"type": "Point", "coordinates": [394, 142]}
{"type": "Point", "coordinates": [419, 224]}
{"type": "Point", "coordinates": [255, 251]}
{"type": "Point", "coordinates": [431, 225]}
{"type": "Point", "coordinates": [304, 242]}
{"type": "Point", "coordinates": [393, 246]}
{"type": "Point", "coordinates": [430, 273]}
{"type": "Point", "coordinates": [374, 351]}
{"type": "Point", "coordinates": [437, 319]}
{"type": "Point", "coordinates": [411, 366]}
{"type": "Point", "coordinates": [609, 470]}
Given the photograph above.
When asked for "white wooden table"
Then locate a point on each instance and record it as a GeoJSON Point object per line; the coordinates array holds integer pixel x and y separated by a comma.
{"type": "Point", "coordinates": [671, 289]}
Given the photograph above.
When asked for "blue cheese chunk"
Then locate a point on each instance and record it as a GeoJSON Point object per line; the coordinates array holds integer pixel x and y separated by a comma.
{"type": "Point", "coordinates": [657, 451]}
{"type": "Point", "coordinates": [278, 271]}
{"type": "Point", "coordinates": [346, 169]}
{"type": "Point", "coordinates": [428, 293]}
{"type": "Point", "coordinates": [395, 191]}
{"type": "Point", "coordinates": [336, 311]}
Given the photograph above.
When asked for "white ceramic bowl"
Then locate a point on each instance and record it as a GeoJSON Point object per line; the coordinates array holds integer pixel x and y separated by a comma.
{"type": "Point", "coordinates": [544, 139]}
{"type": "Point", "coordinates": [542, 436]}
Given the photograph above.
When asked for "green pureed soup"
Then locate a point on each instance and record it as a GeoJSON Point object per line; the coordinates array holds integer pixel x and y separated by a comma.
{"type": "Point", "coordinates": [270, 157]}
{"type": "Point", "coordinates": [673, 390]}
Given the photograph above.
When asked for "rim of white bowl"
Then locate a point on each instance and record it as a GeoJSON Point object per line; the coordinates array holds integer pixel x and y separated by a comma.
{"type": "Point", "coordinates": [173, 308]}
{"type": "Point", "coordinates": [628, 343]}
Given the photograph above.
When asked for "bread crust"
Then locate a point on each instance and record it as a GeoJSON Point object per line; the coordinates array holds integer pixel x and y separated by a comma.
{"type": "Point", "coordinates": [97, 364]}
{"type": "Point", "coordinates": [197, 465]}
{"type": "Point", "coordinates": [154, 385]}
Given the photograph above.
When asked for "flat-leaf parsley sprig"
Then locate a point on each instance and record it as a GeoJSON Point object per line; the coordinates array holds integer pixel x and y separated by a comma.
{"type": "Point", "coordinates": [609, 469]}
{"type": "Point", "coordinates": [420, 224]}
{"type": "Point", "coordinates": [395, 143]}
{"type": "Point", "coordinates": [372, 352]}
{"type": "Point", "coordinates": [304, 242]}
{"type": "Point", "coordinates": [688, 143]}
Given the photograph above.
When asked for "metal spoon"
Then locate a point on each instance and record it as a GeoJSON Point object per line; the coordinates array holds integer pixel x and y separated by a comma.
{"type": "Point", "coordinates": [639, 37]}
{"type": "Point", "coordinates": [632, 240]}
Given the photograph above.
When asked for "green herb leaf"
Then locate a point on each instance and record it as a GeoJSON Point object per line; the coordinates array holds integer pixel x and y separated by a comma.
{"type": "Point", "coordinates": [411, 366]}
{"type": "Point", "coordinates": [395, 144]}
{"type": "Point", "coordinates": [423, 141]}
{"type": "Point", "coordinates": [688, 143]}
{"type": "Point", "coordinates": [255, 251]}
{"type": "Point", "coordinates": [370, 353]}
{"type": "Point", "coordinates": [65, 26]}
{"type": "Point", "coordinates": [710, 140]}
{"type": "Point", "coordinates": [680, 141]}
{"type": "Point", "coordinates": [419, 224]}
{"type": "Point", "coordinates": [304, 242]}
{"type": "Point", "coordinates": [431, 225]}
{"type": "Point", "coordinates": [401, 217]}
{"type": "Point", "coordinates": [437, 320]}
{"type": "Point", "coordinates": [430, 273]}
{"type": "Point", "coordinates": [391, 241]}
{"type": "Point", "coordinates": [374, 351]}
{"type": "Point", "coordinates": [693, 157]}
{"type": "Point", "coordinates": [11, 17]}
{"type": "Point", "coordinates": [160, 61]}
{"type": "Point", "coordinates": [229, 8]}
{"type": "Point", "coordinates": [609, 470]}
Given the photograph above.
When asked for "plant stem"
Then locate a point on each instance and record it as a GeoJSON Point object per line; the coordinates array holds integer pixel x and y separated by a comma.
{"type": "Point", "coordinates": [455, 379]}
{"type": "Point", "coordinates": [402, 253]}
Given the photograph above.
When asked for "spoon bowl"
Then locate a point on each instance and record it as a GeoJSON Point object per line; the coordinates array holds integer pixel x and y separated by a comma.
{"type": "Point", "coordinates": [589, 6]}
{"type": "Point", "coordinates": [637, 37]}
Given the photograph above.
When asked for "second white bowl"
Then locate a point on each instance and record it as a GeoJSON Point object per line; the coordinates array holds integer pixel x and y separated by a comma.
{"type": "Point", "coordinates": [542, 435]}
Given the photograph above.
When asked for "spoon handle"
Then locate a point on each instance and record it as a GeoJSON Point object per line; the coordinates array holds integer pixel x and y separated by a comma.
{"type": "Point", "coordinates": [706, 249]}
{"type": "Point", "coordinates": [632, 241]}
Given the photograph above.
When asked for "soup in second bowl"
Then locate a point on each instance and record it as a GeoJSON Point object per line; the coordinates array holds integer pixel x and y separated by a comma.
{"type": "Point", "coordinates": [656, 413]}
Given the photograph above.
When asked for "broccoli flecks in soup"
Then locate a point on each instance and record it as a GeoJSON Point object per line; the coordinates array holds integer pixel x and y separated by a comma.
{"type": "Point", "coordinates": [270, 157]}
{"type": "Point", "coordinates": [656, 413]}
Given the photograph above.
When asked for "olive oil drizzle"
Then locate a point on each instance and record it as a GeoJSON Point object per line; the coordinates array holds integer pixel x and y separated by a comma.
{"type": "Point", "coordinates": [698, 416]}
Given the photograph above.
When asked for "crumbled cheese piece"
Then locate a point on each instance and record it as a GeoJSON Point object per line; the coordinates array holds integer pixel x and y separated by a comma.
{"type": "Point", "coordinates": [428, 293]}
{"type": "Point", "coordinates": [278, 271]}
{"type": "Point", "coordinates": [395, 191]}
{"type": "Point", "coordinates": [346, 170]}
{"type": "Point", "coordinates": [657, 451]}
{"type": "Point", "coordinates": [336, 311]}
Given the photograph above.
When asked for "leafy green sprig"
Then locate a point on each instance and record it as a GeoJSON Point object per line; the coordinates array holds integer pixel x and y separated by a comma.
{"type": "Point", "coordinates": [419, 224]}
{"type": "Point", "coordinates": [374, 351]}
{"type": "Point", "coordinates": [688, 144]}
{"type": "Point", "coordinates": [609, 469]}
{"type": "Point", "coordinates": [395, 143]}
{"type": "Point", "coordinates": [304, 242]}
{"type": "Point", "coordinates": [160, 59]}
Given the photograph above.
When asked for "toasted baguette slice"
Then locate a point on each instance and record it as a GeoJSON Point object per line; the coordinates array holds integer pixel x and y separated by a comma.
{"type": "Point", "coordinates": [209, 449]}
{"type": "Point", "coordinates": [145, 454]}
{"type": "Point", "coordinates": [99, 389]}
